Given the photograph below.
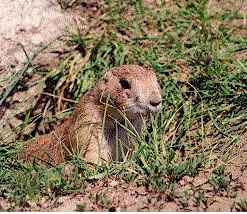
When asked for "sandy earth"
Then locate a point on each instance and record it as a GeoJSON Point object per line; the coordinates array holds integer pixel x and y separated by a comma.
{"type": "Point", "coordinates": [121, 196]}
{"type": "Point", "coordinates": [34, 23]}
{"type": "Point", "coordinates": [130, 197]}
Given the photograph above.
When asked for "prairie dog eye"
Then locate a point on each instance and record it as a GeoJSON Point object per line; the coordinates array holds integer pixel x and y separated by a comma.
{"type": "Point", "coordinates": [125, 84]}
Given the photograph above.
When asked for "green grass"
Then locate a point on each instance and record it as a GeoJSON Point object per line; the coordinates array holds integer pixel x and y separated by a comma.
{"type": "Point", "coordinates": [241, 206]}
{"type": "Point", "coordinates": [68, 3]}
{"type": "Point", "coordinates": [196, 55]}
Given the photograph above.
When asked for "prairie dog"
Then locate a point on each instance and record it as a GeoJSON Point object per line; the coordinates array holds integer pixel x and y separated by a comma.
{"type": "Point", "coordinates": [96, 122]}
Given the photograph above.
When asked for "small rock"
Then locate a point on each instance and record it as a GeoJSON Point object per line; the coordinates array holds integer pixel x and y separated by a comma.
{"type": "Point", "coordinates": [68, 171]}
{"type": "Point", "coordinates": [113, 183]}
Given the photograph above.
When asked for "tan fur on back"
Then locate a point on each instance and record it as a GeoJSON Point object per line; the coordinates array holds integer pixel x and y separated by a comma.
{"type": "Point", "coordinates": [130, 88]}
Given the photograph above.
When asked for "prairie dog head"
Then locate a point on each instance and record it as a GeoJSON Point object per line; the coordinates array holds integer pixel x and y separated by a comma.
{"type": "Point", "coordinates": [133, 89]}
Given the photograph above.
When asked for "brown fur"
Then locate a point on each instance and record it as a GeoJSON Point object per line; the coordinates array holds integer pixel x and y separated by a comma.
{"type": "Point", "coordinates": [82, 133]}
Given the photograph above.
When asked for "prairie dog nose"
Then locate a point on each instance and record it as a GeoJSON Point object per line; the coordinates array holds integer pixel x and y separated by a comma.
{"type": "Point", "coordinates": [155, 99]}
{"type": "Point", "coordinates": [155, 103]}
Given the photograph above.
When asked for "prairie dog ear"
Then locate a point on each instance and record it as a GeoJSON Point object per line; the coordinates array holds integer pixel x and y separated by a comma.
{"type": "Point", "coordinates": [106, 81]}
{"type": "Point", "coordinates": [107, 77]}
{"type": "Point", "coordinates": [111, 78]}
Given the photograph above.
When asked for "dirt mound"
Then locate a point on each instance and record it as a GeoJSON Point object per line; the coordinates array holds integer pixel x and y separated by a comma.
{"type": "Point", "coordinates": [32, 23]}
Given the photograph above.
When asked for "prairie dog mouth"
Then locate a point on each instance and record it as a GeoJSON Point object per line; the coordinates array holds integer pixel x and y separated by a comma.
{"type": "Point", "coordinates": [143, 109]}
